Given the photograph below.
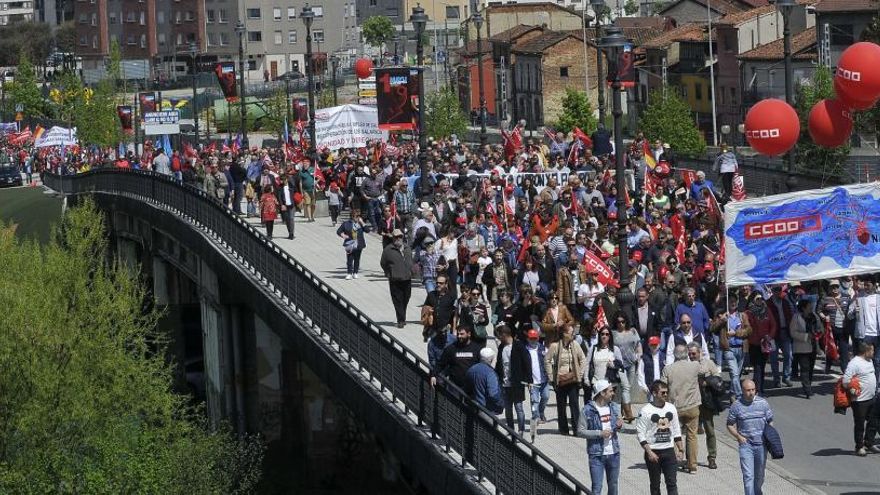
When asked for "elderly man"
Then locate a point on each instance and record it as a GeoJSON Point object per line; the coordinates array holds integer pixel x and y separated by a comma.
{"type": "Point", "coordinates": [694, 308]}
{"type": "Point", "coordinates": [698, 185]}
{"type": "Point", "coordinates": [709, 406]}
{"type": "Point", "coordinates": [684, 336]}
{"type": "Point", "coordinates": [682, 377]}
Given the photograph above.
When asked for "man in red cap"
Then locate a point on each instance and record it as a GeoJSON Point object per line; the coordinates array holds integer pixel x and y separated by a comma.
{"type": "Point", "coordinates": [651, 365]}
{"type": "Point", "coordinates": [539, 391]}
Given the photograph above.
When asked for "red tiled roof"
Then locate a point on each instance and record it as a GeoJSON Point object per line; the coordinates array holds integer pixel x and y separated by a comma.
{"type": "Point", "coordinates": [514, 33]}
{"type": "Point", "coordinates": [802, 47]}
{"type": "Point", "coordinates": [687, 32]}
{"type": "Point", "coordinates": [723, 7]}
{"type": "Point", "coordinates": [543, 42]}
{"type": "Point", "coordinates": [637, 35]}
{"type": "Point", "coordinates": [847, 5]}
{"type": "Point", "coordinates": [470, 49]}
{"type": "Point", "coordinates": [653, 22]}
{"type": "Point", "coordinates": [741, 17]}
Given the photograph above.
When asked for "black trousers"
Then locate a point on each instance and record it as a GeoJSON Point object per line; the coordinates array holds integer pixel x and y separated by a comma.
{"type": "Point", "coordinates": [401, 290]}
{"type": "Point", "coordinates": [567, 395]}
{"type": "Point", "coordinates": [727, 183]}
{"type": "Point", "coordinates": [668, 465]}
{"type": "Point", "coordinates": [806, 361]}
{"type": "Point", "coordinates": [862, 413]}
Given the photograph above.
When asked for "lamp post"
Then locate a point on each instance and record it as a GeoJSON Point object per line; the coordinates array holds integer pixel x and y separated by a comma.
{"type": "Point", "coordinates": [334, 64]}
{"type": "Point", "coordinates": [611, 44]}
{"type": "Point", "coordinates": [194, 52]}
{"type": "Point", "coordinates": [598, 6]}
{"type": "Point", "coordinates": [240, 30]}
{"type": "Point", "coordinates": [396, 40]}
{"type": "Point", "coordinates": [478, 23]}
{"type": "Point", "coordinates": [741, 130]}
{"type": "Point", "coordinates": [785, 7]}
{"type": "Point", "coordinates": [308, 15]}
{"type": "Point", "coordinates": [419, 20]}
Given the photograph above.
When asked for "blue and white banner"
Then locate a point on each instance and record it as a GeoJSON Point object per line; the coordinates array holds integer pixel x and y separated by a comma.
{"type": "Point", "coordinates": [806, 235]}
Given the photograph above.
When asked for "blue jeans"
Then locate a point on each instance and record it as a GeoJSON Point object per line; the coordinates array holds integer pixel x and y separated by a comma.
{"type": "Point", "coordinates": [733, 358]}
{"type": "Point", "coordinates": [375, 212]}
{"type": "Point", "coordinates": [540, 394]}
{"type": "Point", "coordinates": [785, 346]}
{"type": "Point", "coordinates": [237, 195]}
{"type": "Point", "coordinates": [752, 461]}
{"type": "Point", "coordinates": [609, 465]}
{"type": "Point", "coordinates": [716, 349]}
{"type": "Point", "coordinates": [508, 410]}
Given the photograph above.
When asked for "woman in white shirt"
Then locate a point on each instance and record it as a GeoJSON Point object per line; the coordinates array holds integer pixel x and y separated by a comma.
{"type": "Point", "coordinates": [448, 248]}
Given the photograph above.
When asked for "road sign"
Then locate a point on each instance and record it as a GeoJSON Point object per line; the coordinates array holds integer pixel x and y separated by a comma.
{"type": "Point", "coordinates": [367, 101]}
{"type": "Point", "coordinates": [164, 122]}
{"type": "Point", "coordinates": [441, 57]}
{"type": "Point", "coordinates": [19, 107]}
{"type": "Point", "coordinates": [367, 93]}
{"type": "Point", "coordinates": [19, 116]}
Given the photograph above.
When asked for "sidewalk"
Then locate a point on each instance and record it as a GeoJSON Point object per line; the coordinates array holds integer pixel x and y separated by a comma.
{"type": "Point", "coordinates": [317, 247]}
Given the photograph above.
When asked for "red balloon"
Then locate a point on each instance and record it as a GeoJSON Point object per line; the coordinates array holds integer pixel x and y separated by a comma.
{"type": "Point", "coordinates": [830, 123]}
{"type": "Point", "coordinates": [851, 101]}
{"type": "Point", "coordinates": [772, 127]}
{"type": "Point", "coordinates": [858, 71]}
{"type": "Point", "coordinates": [363, 68]}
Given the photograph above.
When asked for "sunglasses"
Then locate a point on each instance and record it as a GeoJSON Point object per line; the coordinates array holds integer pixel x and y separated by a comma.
{"type": "Point", "coordinates": [604, 334]}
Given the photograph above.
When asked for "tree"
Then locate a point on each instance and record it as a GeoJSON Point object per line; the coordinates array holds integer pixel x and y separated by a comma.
{"type": "Point", "coordinates": [669, 119]}
{"type": "Point", "coordinates": [377, 31]}
{"type": "Point", "coordinates": [576, 112]}
{"type": "Point", "coordinates": [630, 7]}
{"type": "Point", "coordinates": [868, 121]}
{"type": "Point", "coordinates": [276, 113]}
{"type": "Point", "coordinates": [96, 119]}
{"type": "Point", "coordinates": [810, 157]}
{"type": "Point", "coordinates": [32, 39]}
{"type": "Point", "coordinates": [325, 97]}
{"type": "Point", "coordinates": [24, 89]}
{"type": "Point", "coordinates": [87, 405]}
{"type": "Point", "coordinates": [443, 115]}
{"type": "Point", "coordinates": [65, 37]}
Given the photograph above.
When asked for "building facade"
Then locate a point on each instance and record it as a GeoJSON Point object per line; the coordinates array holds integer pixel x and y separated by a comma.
{"type": "Point", "coordinates": [16, 11]}
{"type": "Point", "coordinates": [840, 23]}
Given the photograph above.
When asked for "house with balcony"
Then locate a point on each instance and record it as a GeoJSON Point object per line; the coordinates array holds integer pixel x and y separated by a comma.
{"type": "Point", "coordinates": [840, 23]}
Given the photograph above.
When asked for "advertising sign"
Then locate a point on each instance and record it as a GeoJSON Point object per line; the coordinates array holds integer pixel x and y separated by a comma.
{"type": "Point", "coordinates": [164, 122]}
{"type": "Point", "coordinates": [397, 97]}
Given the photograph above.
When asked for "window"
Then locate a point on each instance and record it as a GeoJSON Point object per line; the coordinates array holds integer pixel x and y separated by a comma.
{"type": "Point", "coordinates": [160, 17]}
{"type": "Point", "coordinates": [253, 13]}
{"type": "Point", "coordinates": [698, 92]}
{"type": "Point", "coordinates": [143, 41]}
{"type": "Point", "coordinates": [209, 16]}
{"type": "Point", "coordinates": [255, 36]}
{"type": "Point", "coordinates": [222, 16]}
{"type": "Point", "coordinates": [161, 39]}
{"type": "Point", "coordinates": [95, 41]}
{"type": "Point", "coordinates": [277, 37]}
{"type": "Point", "coordinates": [318, 10]}
{"type": "Point", "coordinates": [276, 13]}
{"type": "Point", "coordinates": [130, 40]}
{"type": "Point", "coordinates": [190, 16]}
{"type": "Point", "coordinates": [733, 96]}
{"type": "Point", "coordinates": [318, 35]}
{"type": "Point", "coordinates": [224, 39]}
{"type": "Point", "coordinates": [143, 18]}
{"type": "Point", "coordinates": [111, 18]}
{"type": "Point", "coordinates": [178, 17]}
{"type": "Point", "coordinates": [842, 34]}
{"type": "Point", "coordinates": [563, 72]}
{"type": "Point", "coordinates": [114, 38]}
{"type": "Point", "coordinates": [212, 39]}
{"type": "Point", "coordinates": [83, 18]}
{"type": "Point", "coordinates": [373, 3]}
{"type": "Point", "coordinates": [252, 65]}
{"type": "Point", "coordinates": [291, 37]}
{"type": "Point", "coordinates": [291, 13]}
{"type": "Point", "coordinates": [452, 12]}
{"type": "Point", "coordinates": [94, 19]}
{"type": "Point", "coordinates": [179, 39]}
{"type": "Point", "coordinates": [83, 41]}
{"type": "Point", "coordinates": [130, 17]}
{"type": "Point", "coordinates": [392, 12]}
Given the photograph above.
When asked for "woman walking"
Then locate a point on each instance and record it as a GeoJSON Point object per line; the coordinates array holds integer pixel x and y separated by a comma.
{"type": "Point", "coordinates": [803, 345]}
{"type": "Point", "coordinates": [268, 209]}
{"type": "Point", "coordinates": [626, 339]}
{"type": "Point", "coordinates": [565, 366]}
{"type": "Point", "coordinates": [354, 241]}
{"type": "Point", "coordinates": [762, 340]}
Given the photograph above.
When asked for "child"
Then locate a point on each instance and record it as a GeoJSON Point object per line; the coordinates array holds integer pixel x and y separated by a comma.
{"type": "Point", "coordinates": [268, 209]}
{"type": "Point", "coordinates": [334, 196]}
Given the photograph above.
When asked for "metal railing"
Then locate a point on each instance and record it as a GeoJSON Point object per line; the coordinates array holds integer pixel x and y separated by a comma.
{"type": "Point", "coordinates": [485, 446]}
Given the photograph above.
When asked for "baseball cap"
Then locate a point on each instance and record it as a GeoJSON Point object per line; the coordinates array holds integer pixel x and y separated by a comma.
{"type": "Point", "coordinates": [396, 233]}
{"type": "Point", "coordinates": [833, 282]}
{"type": "Point", "coordinates": [532, 334]}
{"type": "Point", "coordinates": [600, 386]}
{"type": "Point", "coordinates": [654, 340]}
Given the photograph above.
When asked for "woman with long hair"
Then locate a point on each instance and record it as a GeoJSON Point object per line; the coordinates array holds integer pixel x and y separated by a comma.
{"type": "Point", "coordinates": [353, 241]}
{"type": "Point", "coordinates": [629, 343]}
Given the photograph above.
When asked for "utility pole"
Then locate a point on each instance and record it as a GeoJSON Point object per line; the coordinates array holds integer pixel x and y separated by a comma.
{"type": "Point", "coordinates": [240, 30]}
{"type": "Point", "coordinates": [664, 72]}
{"type": "Point", "coordinates": [712, 76]}
{"type": "Point", "coordinates": [502, 114]}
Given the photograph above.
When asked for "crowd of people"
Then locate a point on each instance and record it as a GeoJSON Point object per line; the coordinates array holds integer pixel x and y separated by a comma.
{"type": "Point", "coordinates": [516, 248]}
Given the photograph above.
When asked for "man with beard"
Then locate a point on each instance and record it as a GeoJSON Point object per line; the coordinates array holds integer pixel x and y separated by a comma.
{"type": "Point", "coordinates": [398, 271]}
{"type": "Point", "coordinates": [442, 304]}
{"type": "Point", "coordinates": [457, 358]}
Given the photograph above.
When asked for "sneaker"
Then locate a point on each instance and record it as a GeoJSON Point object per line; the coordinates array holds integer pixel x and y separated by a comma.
{"type": "Point", "coordinates": [874, 449]}
{"type": "Point", "coordinates": [355, 275]}
{"type": "Point", "coordinates": [787, 382]}
{"type": "Point", "coordinates": [861, 452]}
{"type": "Point", "coordinates": [712, 463]}
{"type": "Point", "coordinates": [348, 277]}
{"type": "Point", "coordinates": [401, 324]}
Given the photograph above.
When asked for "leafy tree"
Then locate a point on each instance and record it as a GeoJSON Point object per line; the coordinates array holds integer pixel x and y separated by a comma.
{"type": "Point", "coordinates": [659, 5]}
{"type": "Point", "coordinates": [325, 97]}
{"type": "Point", "coordinates": [32, 39]}
{"type": "Point", "coordinates": [87, 405]}
{"type": "Point", "coordinates": [276, 113]}
{"type": "Point", "coordinates": [868, 122]}
{"type": "Point", "coordinates": [630, 7]}
{"type": "Point", "coordinates": [443, 115]}
{"type": "Point", "coordinates": [65, 37]}
{"type": "Point", "coordinates": [96, 120]}
{"type": "Point", "coordinates": [576, 112]}
{"type": "Point", "coordinates": [669, 119]}
{"type": "Point", "coordinates": [378, 30]}
{"type": "Point", "coordinates": [24, 89]}
{"type": "Point", "coordinates": [809, 156]}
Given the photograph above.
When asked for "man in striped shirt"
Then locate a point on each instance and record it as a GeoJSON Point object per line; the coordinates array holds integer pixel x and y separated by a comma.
{"type": "Point", "coordinates": [746, 420]}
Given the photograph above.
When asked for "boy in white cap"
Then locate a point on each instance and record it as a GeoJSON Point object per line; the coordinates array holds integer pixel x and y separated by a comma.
{"type": "Point", "coordinates": [599, 423]}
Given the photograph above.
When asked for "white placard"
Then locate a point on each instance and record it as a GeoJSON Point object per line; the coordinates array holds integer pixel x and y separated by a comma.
{"type": "Point", "coordinates": [347, 126]}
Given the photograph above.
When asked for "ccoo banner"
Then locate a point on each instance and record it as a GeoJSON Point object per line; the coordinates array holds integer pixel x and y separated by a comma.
{"type": "Point", "coordinates": [397, 97]}
{"type": "Point", "coordinates": [807, 235]}
{"type": "Point", "coordinates": [225, 72]}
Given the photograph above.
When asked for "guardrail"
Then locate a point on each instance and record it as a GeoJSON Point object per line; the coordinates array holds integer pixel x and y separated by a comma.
{"type": "Point", "coordinates": [484, 445]}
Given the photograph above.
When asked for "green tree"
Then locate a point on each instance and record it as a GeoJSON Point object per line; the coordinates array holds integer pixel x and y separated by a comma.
{"type": "Point", "coordinates": [65, 37]}
{"type": "Point", "coordinates": [576, 112]}
{"type": "Point", "coordinates": [868, 121]}
{"type": "Point", "coordinates": [87, 405]}
{"type": "Point", "coordinates": [444, 116]}
{"type": "Point", "coordinates": [32, 39]}
{"type": "Point", "coordinates": [96, 119]}
{"type": "Point", "coordinates": [325, 97]}
{"type": "Point", "coordinates": [377, 30]}
{"type": "Point", "coordinates": [276, 112]}
{"type": "Point", "coordinates": [25, 90]}
{"type": "Point", "coordinates": [630, 7]}
{"type": "Point", "coordinates": [809, 156]}
{"type": "Point", "coordinates": [669, 119]}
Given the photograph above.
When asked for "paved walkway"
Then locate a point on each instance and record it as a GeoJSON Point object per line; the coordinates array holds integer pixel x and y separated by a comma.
{"type": "Point", "coordinates": [317, 247]}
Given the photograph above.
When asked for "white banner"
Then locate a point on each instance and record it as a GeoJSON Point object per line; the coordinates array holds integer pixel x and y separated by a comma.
{"type": "Point", "coordinates": [57, 136]}
{"type": "Point", "coordinates": [347, 126]}
{"type": "Point", "coordinates": [164, 122]}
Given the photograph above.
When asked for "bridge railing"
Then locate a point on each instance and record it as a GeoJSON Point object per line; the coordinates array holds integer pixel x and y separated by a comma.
{"type": "Point", "coordinates": [484, 445]}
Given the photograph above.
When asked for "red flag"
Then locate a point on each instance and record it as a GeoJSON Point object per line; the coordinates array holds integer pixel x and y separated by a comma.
{"type": "Point", "coordinates": [603, 274]}
{"type": "Point", "coordinates": [739, 188]}
{"type": "Point", "coordinates": [211, 147]}
{"type": "Point", "coordinates": [573, 153]}
{"type": "Point", "coordinates": [527, 243]}
{"type": "Point", "coordinates": [688, 176]}
{"type": "Point", "coordinates": [578, 133]}
{"type": "Point", "coordinates": [321, 183]}
{"type": "Point", "coordinates": [550, 134]}
{"type": "Point", "coordinates": [512, 142]}
{"type": "Point", "coordinates": [189, 151]}
{"type": "Point", "coordinates": [601, 320]}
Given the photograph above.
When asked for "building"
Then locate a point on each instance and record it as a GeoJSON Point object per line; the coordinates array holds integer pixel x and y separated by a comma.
{"type": "Point", "coordinates": [504, 61]}
{"type": "Point", "coordinates": [16, 11]}
{"type": "Point", "coordinates": [762, 72]}
{"type": "Point", "coordinates": [840, 23]}
{"type": "Point", "coordinates": [690, 11]}
{"type": "Point", "coordinates": [51, 12]}
{"type": "Point", "coordinates": [394, 10]}
{"type": "Point", "coordinates": [500, 18]}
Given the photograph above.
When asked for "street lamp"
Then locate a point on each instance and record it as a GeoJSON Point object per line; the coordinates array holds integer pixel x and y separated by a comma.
{"type": "Point", "coordinates": [334, 65]}
{"type": "Point", "coordinates": [612, 43]}
{"type": "Point", "coordinates": [194, 52]}
{"type": "Point", "coordinates": [785, 7]}
{"type": "Point", "coordinates": [419, 20]}
{"type": "Point", "coordinates": [240, 30]}
{"type": "Point", "coordinates": [598, 7]}
{"type": "Point", "coordinates": [478, 23]}
{"type": "Point", "coordinates": [396, 40]}
{"type": "Point", "coordinates": [308, 15]}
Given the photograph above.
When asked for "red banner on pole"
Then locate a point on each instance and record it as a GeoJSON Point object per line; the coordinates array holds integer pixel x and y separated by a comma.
{"type": "Point", "coordinates": [603, 274]}
{"type": "Point", "coordinates": [225, 72]}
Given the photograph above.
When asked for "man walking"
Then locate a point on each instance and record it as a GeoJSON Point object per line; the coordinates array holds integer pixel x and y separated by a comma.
{"type": "Point", "coordinates": [397, 269]}
{"type": "Point", "coordinates": [288, 206]}
{"type": "Point", "coordinates": [745, 421]}
{"type": "Point", "coordinates": [682, 378]}
{"type": "Point", "coordinates": [861, 366]}
{"type": "Point", "coordinates": [659, 434]}
{"type": "Point", "coordinates": [481, 382]}
{"type": "Point", "coordinates": [599, 423]}
{"type": "Point", "coordinates": [514, 368]}
{"type": "Point", "coordinates": [457, 358]}
{"type": "Point", "coordinates": [709, 405]}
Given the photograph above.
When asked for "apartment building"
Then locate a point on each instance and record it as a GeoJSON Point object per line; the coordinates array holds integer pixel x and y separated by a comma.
{"type": "Point", "coordinates": [16, 11]}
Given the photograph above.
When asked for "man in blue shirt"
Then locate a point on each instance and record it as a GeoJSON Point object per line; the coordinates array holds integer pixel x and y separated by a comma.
{"type": "Point", "coordinates": [695, 309]}
{"type": "Point", "coordinates": [746, 421]}
{"type": "Point", "coordinates": [481, 382]}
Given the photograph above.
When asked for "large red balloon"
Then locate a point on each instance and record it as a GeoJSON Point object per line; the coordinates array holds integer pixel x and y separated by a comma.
{"type": "Point", "coordinates": [363, 68]}
{"type": "Point", "coordinates": [858, 71]}
{"type": "Point", "coordinates": [772, 127]}
{"type": "Point", "coordinates": [830, 123]}
{"type": "Point", "coordinates": [851, 101]}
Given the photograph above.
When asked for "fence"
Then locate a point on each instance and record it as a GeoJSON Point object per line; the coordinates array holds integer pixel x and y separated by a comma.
{"type": "Point", "coordinates": [485, 445]}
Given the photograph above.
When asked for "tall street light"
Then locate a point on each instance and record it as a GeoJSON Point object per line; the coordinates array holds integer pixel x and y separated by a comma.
{"type": "Point", "coordinates": [785, 7]}
{"type": "Point", "coordinates": [612, 43]}
{"type": "Point", "coordinates": [194, 52]}
{"type": "Point", "coordinates": [478, 23]}
{"type": "Point", "coordinates": [419, 20]}
{"type": "Point", "coordinates": [240, 30]}
{"type": "Point", "coordinates": [308, 15]}
{"type": "Point", "coordinates": [334, 65]}
{"type": "Point", "coordinates": [598, 7]}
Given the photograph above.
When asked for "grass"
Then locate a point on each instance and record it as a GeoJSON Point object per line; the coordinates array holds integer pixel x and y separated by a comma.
{"type": "Point", "coordinates": [32, 211]}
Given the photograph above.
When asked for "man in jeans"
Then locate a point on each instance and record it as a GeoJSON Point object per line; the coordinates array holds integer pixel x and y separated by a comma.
{"type": "Point", "coordinates": [539, 391]}
{"type": "Point", "coordinates": [599, 423]}
{"type": "Point", "coordinates": [745, 421]}
{"type": "Point", "coordinates": [660, 436]}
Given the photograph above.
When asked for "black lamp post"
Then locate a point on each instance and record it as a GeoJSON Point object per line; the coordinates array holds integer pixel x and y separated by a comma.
{"type": "Point", "coordinates": [396, 40]}
{"type": "Point", "coordinates": [308, 15]}
{"type": "Point", "coordinates": [419, 20]}
{"type": "Point", "coordinates": [611, 44]}
{"type": "Point", "coordinates": [478, 23]}
{"type": "Point", "coordinates": [598, 8]}
{"type": "Point", "coordinates": [785, 7]}
{"type": "Point", "coordinates": [334, 65]}
{"type": "Point", "coordinates": [194, 52]}
{"type": "Point", "coordinates": [240, 30]}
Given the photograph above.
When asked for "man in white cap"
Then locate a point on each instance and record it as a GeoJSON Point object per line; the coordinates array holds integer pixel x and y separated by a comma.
{"type": "Point", "coordinates": [599, 423]}
{"type": "Point", "coordinates": [481, 382]}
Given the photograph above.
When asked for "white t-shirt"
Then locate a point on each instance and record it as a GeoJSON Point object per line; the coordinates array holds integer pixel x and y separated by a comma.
{"type": "Point", "coordinates": [605, 416]}
{"type": "Point", "coordinates": [591, 292]}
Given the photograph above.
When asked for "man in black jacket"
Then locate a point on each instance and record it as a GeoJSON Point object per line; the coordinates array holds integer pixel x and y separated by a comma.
{"type": "Point", "coordinates": [239, 176]}
{"type": "Point", "coordinates": [396, 267]}
{"type": "Point", "coordinates": [514, 368]}
{"type": "Point", "coordinates": [457, 358]}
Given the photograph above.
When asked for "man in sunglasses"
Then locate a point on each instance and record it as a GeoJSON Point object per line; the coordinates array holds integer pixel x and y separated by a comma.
{"type": "Point", "coordinates": [659, 434]}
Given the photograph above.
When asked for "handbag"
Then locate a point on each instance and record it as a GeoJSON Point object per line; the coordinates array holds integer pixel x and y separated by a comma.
{"type": "Point", "coordinates": [349, 245]}
{"type": "Point", "coordinates": [564, 379]}
{"type": "Point", "coordinates": [768, 345]}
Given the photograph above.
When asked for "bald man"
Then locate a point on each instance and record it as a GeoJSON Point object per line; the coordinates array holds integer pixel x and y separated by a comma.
{"type": "Point", "coordinates": [745, 421]}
